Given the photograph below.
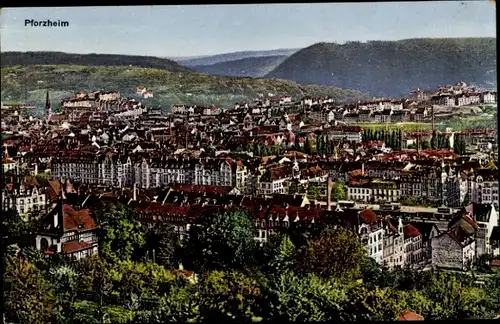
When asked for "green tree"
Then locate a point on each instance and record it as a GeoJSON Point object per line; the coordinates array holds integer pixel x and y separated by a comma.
{"type": "Point", "coordinates": [308, 146]}
{"type": "Point", "coordinates": [219, 241]}
{"type": "Point", "coordinates": [28, 296]}
{"type": "Point", "coordinates": [15, 229]}
{"type": "Point", "coordinates": [374, 304]}
{"type": "Point", "coordinates": [65, 288]}
{"type": "Point", "coordinates": [313, 190]}
{"type": "Point", "coordinates": [434, 141]}
{"type": "Point", "coordinates": [293, 187]}
{"type": "Point", "coordinates": [131, 287]}
{"type": "Point", "coordinates": [295, 298]}
{"type": "Point", "coordinates": [120, 234]}
{"type": "Point", "coordinates": [228, 295]}
{"type": "Point", "coordinates": [162, 243]}
{"type": "Point", "coordinates": [180, 304]}
{"type": "Point", "coordinates": [452, 298]}
{"type": "Point", "coordinates": [285, 256]}
{"type": "Point", "coordinates": [335, 253]}
{"type": "Point", "coordinates": [425, 145]}
{"type": "Point", "coordinates": [338, 192]}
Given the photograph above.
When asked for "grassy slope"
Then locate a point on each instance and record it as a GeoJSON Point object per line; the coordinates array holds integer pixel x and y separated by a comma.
{"type": "Point", "coordinates": [169, 87]}
{"type": "Point", "coordinates": [250, 67]}
{"type": "Point", "coordinates": [393, 68]}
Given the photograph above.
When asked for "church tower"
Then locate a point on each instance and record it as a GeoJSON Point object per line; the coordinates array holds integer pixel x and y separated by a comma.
{"type": "Point", "coordinates": [48, 106]}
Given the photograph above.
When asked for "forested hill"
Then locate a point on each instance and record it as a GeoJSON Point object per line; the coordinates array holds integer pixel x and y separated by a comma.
{"type": "Point", "coordinates": [394, 68]}
{"type": "Point", "coordinates": [254, 67]}
{"type": "Point", "coordinates": [60, 58]}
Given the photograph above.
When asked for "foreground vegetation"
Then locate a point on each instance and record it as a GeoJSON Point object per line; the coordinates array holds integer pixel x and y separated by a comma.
{"type": "Point", "coordinates": [317, 274]}
{"type": "Point", "coordinates": [169, 87]}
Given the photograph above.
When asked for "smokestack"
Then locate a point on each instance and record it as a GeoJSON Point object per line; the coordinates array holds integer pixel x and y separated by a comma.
{"type": "Point", "coordinates": [36, 169]}
{"type": "Point", "coordinates": [363, 168]}
{"type": "Point", "coordinates": [329, 194]}
{"type": "Point", "coordinates": [135, 191]}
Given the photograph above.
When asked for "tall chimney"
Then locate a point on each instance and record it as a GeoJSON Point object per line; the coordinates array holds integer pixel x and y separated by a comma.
{"type": "Point", "coordinates": [135, 191]}
{"type": "Point", "coordinates": [363, 168]}
{"type": "Point", "coordinates": [36, 169]}
{"type": "Point", "coordinates": [329, 194]}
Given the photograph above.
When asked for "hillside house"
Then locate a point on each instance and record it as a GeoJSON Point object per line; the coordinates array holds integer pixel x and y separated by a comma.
{"type": "Point", "coordinates": [67, 231]}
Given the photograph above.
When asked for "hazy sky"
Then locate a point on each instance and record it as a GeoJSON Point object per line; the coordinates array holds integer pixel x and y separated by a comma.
{"type": "Point", "coordinates": [214, 29]}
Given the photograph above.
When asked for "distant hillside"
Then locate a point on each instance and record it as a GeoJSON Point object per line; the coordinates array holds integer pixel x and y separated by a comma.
{"type": "Point", "coordinates": [29, 83]}
{"type": "Point", "coordinates": [214, 59]}
{"type": "Point", "coordinates": [249, 67]}
{"type": "Point", "coordinates": [393, 68]}
{"type": "Point", "coordinates": [55, 58]}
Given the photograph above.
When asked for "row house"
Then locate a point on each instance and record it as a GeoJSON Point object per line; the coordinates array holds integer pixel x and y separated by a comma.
{"type": "Point", "coordinates": [215, 172]}
{"type": "Point", "coordinates": [385, 170]}
{"type": "Point", "coordinates": [344, 133]}
{"type": "Point", "coordinates": [483, 187]}
{"type": "Point", "coordinates": [81, 167]}
{"type": "Point", "coordinates": [428, 231]}
{"type": "Point", "coordinates": [486, 217]}
{"type": "Point", "coordinates": [372, 190]}
{"type": "Point", "coordinates": [467, 99]}
{"type": "Point", "coordinates": [383, 116]}
{"type": "Point", "coordinates": [393, 244]}
{"type": "Point", "coordinates": [23, 195]}
{"type": "Point", "coordinates": [413, 246]}
{"type": "Point", "coordinates": [322, 116]}
{"type": "Point", "coordinates": [420, 114]}
{"type": "Point", "coordinates": [339, 170]}
{"type": "Point", "coordinates": [400, 116]}
{"type": "Point", "coordinates": [274, 179]}
{"type": "Point", "coordinates": [489, 97]}
{"type": "Point", "coordinates": [423, 181]}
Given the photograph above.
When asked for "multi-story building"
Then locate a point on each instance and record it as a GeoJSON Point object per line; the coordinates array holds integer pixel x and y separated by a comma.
{"type": "Point", "coordinates": [373, 190]}
{"type": "Point", "coordinates": [23, 195]}
{"type": "Point", "coordinates": [344, 133]}
{"type": "Point", "coordinates": [483, 187]}
{"type": "Point", "coordinates": [414, 255]}
{"type": "Point", "coordinates": [393, 244]}
{"type": "Point", "coordinates": [273, 180]}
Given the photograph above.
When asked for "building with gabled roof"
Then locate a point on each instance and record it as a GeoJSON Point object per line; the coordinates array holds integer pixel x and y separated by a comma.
{"type": "Point", "coordinates": [456, 247]}
{"type": "Point", "coordinates": [67, 231]}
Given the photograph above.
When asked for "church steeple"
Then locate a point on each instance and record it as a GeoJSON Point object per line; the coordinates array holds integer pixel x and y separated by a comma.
{"type": "Point", "coordinates": [48, 105]}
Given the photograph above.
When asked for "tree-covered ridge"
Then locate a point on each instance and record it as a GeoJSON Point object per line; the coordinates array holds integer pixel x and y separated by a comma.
{"type": "Point", "coordinates": [30, 83]}
{"type": "Point", "coordinates": [58, 58]}
{"type": "Point", "coordinates": [254, 67]}
{"type": "Point", "coordinates": [394, 68]}
{"type": "Point", "coordinates": [316, 273]}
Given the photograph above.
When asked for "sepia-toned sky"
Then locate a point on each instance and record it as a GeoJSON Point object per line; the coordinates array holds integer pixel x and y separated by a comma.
{"type": "Point", "coordinates": [173, 31]}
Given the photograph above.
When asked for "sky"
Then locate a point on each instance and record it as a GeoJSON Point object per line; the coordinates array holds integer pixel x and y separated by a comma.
{"type": "Point", "coordinates": [193, 30]}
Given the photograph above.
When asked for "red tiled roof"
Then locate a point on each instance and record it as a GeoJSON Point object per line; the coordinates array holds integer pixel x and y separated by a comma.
{"type": "Point", "coordinates": [495, 263]}
{"type": "Point", "coordinates": [368, 216]}
{"type": "Point", "coordinates": [77, 219]}
{"type": "Point", "coordinates": [202, 188]}
{"type": "Point", "coordinates": [410, 231]}
{"type": "Point", "coordinates": [410, 316]}
{"type": "Point", "coordinates": [74, 246]}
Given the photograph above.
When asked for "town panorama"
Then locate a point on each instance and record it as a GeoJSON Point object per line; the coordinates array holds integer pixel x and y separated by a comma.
{"type": "Point", "coordinates": [283, 206]}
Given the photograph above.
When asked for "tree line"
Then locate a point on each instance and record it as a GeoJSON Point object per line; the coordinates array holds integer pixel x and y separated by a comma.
{"type": "Point", "coordinates": [316, 272]}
